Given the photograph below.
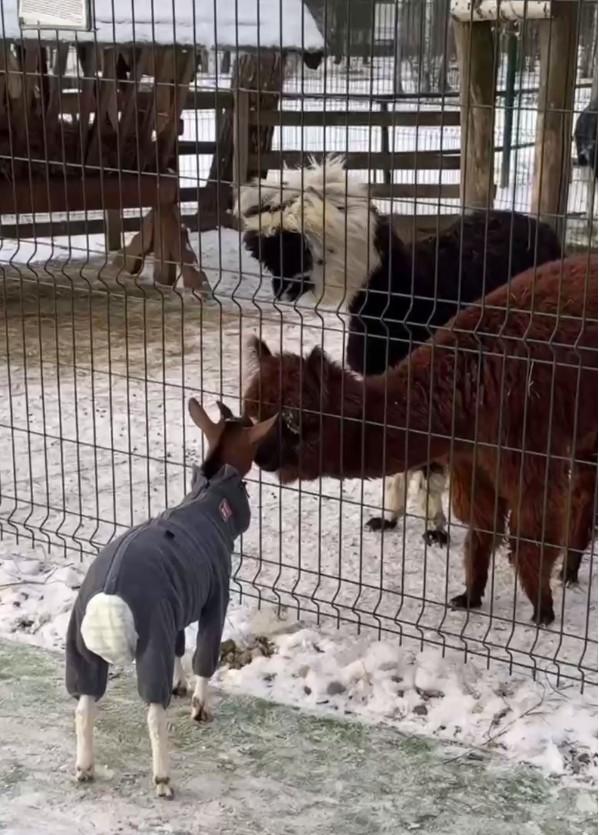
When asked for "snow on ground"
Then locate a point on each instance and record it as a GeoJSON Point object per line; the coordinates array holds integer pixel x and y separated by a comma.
{"type": "Point", "coordinates": [96, 381]}
{"type": "Point", "coordinates": [282, 24]}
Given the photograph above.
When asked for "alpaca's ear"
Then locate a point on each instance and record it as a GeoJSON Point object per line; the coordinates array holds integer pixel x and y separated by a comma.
{"type": "Point", "coordinates": [225, 412]}
{"type": "Point", "coordinates": [257, 350]}
{"type": "Point", "coordinates": [317, 367]}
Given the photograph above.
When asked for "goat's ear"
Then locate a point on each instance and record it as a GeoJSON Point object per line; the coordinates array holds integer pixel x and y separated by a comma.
{"type": "Point", "coordinates": [225, 412]}
{"type": "Point", "coordinates": [259, 431]}
{"type": "Point", "coordinates": [199, 416]}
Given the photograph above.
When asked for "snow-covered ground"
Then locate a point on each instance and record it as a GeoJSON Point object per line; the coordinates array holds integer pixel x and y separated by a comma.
{"type": "Point", "coordinates": [96, 370]}
{"type": "Point", "coordinates": [97, 381]}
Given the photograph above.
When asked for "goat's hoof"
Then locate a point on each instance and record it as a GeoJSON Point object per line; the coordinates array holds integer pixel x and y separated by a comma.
{"type": "Point", "coordinates": [543, 616]}
{"type": "Point", "coordinates": [84, 774]}
{"type": "Point", "coordinates": [180, 689]}
{"type": "Point", "coordinates": [436, 537]}
{"type": "Point", "coordinates": [569, 576]}
{"type": "Point", "coordinates": [464, 601]}
{"type": "Point", "coordinates": [199, 711]}
{"type": "Point", "coordinates": [379, 523]}
{"type": "Point", "coordinates": [164, 788]}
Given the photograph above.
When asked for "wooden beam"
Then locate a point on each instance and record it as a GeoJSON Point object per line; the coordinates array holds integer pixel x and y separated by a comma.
{"type": "Point", "coordinates": [74, 195]}
{"type": "Point", "coordinates": [554, 120]}
{"type": "Point", "coordinates": [357, 118]}
{"type": "Point", "coordinates": [364, 160]}
{"type": "Point", "coordinates": [476, 58]}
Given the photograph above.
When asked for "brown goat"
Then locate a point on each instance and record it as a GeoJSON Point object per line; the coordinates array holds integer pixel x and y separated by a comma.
{"type": "Point", "coordinates": [506, 393]}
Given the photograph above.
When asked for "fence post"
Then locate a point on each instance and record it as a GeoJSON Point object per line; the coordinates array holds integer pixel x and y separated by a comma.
{"type": "Point", "coordinates": [476, 58]}
{"type": "Point", "coordinates": [554, 120]}
{"type": "Point", "coordinates": [241, 135]}
{"type": "Point", "coordinates": [510, 86]}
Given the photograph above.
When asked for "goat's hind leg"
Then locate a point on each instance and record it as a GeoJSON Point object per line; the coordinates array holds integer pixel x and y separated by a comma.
{"type": "Point", "coordinates": [158, 730]}
{"type": "Point", "coordinates": [85, 714]}
{"type": "Point", "coordinates": [396, 489]}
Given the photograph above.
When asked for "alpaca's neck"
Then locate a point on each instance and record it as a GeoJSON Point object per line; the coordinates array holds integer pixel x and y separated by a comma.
{"type": "Point", "coordinates": [388, 425]}
{"type": "Point", "coordinates": [345, 257]}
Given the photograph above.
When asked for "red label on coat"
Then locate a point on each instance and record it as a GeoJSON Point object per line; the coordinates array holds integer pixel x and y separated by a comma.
{"type": "Point", "coordinates": [225, 510]}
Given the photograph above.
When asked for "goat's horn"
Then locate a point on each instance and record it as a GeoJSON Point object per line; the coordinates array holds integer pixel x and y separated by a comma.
{"type": "Point", "coordinates": [201, 419]}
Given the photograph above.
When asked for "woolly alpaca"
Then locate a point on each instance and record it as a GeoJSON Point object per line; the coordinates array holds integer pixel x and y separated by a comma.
{"type": "Point", "coordinates": [144, 588]}
{"type": "Point", "coordinates": [506, 394]}
{"type": "Point", "coordinates": [315, 229]}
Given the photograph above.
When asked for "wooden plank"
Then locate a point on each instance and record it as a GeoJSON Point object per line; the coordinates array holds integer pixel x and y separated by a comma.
{"type": "Point", "coordinates": [241, 138]}
{"type": "Point", "coordinates": [187, 147]}
{"type": "Point", "coordinates": [379, 191]}
{"type": "Point", "coordinates": [114, 230]}
{"type": "Point", "coordinates": [476, 58]}
{"type": "Point", "coordinates": [409, 191]}
{"type": "Point", "coordinates": [92, 193]}
{"type": "Point", "coordinates": [554, 120]}
{"type": "Point", "coordinates": [363, 160]}
{"type": "Point", "coordinates": [200, 100]}
{"type": "Point", "coordinates": [357, 118]}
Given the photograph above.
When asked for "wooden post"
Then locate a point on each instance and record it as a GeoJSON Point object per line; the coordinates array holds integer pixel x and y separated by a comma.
{"type": "Point", "coordinates": [241, 138]}
{"type": "Point", "coordinates": [554, 120]}
{"type": "Point", "coordinates": [476, 58]}
{"type": "Point", "coordinates": [508, 119]}
{"type": "Point", "coordinates": [114, 229]}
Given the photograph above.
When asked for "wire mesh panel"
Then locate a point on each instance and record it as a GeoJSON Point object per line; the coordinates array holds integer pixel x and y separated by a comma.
{"type": "Point", "coordinates": [205, 140]}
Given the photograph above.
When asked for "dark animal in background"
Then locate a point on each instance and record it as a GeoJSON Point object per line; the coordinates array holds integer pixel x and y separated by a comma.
{"type": "Point", "coordinates": [145, 587]}
{"type": "Point", "coordinates": [585, 137]}
{"type": "Point", "coordinates": [316, 230]}
{"type": "Point", "coordinates": [506, 395]}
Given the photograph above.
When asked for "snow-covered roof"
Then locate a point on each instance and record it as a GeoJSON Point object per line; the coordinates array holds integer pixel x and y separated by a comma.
{"type": "Point", "coordinates": [285, 24]}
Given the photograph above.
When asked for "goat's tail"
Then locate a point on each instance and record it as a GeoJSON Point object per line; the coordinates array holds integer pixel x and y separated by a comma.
{"type": "Point", "coordinates": [108, 629]}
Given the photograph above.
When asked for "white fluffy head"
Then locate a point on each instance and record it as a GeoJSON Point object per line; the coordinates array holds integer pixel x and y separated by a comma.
{"type": "Point", "coordinates": [331, 210]}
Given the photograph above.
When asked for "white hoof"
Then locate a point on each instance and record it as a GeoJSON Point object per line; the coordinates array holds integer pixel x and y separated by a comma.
{"type": "Point", "coordinates": [84, 774]}
{"type": "Point", "coordinates": [164, 788]}
{"type": "Point", "coordinates": [199, 711]}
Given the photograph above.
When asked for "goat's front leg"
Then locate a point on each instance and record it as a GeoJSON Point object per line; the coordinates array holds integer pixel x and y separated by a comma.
{"type": "Point", "coordinates": [85, 713]}
{"type": "Point", "coordinates": [200, 710]}
{"type": "Point", "coordinates": [179, 680]}
{"type": "Point", "coordinates": [158, 730]}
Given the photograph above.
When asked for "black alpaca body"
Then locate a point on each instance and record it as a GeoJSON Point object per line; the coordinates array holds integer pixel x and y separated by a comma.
{"type": "Point", "coordinates": [585, 137]}
{"type": "Point", "coordinates": [417, 289]}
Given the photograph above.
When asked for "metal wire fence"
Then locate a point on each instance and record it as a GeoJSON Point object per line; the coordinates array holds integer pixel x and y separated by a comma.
{"type": "Point", "coordinates": [144, 132]}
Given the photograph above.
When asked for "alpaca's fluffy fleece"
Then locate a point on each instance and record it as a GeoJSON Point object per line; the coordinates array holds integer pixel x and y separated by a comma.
{"type": "Point", "coordinates": [333, 212]}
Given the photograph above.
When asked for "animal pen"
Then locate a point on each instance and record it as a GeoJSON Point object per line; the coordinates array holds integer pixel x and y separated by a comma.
{"type": "Point", "coordinates": [128, 283]}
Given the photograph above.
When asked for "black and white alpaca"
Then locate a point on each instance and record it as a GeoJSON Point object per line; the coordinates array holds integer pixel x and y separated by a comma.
{"type": "Point", "coordinates": [585, 136]}
{"type": "Point", "coordinates": [144, 588]}
{"type": "Point", "coordinates": [316, 230]}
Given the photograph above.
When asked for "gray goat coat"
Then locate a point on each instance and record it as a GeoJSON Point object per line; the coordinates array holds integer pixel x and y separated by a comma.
{"type": "Point", "coordinates": [171, 571]}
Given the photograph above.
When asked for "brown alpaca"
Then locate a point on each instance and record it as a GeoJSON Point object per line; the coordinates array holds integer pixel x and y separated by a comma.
{"type": "Point", "coordinates": [506, 394]}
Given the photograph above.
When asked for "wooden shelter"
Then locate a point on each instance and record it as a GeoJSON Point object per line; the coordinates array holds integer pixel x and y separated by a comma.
{"type": "Point", "coordinates": [91, 121]}
{"type": "Point", "coordinates": [558, 20]}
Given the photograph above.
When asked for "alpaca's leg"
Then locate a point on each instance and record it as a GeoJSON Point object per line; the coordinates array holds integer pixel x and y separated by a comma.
{"type": "Point", "coordinates": [158, 731]}
{"type": "Point", "coordinates": [536, 534]}
{"type": "Point", "coordinates": [85, 714]}
{"type": "Point", "coordinates": [582, 520]}
{"type": "Point", "coordinates": [179, 681]}
{"type": "Point", "coordinates": [435, 479]}
{"type": "Point", "coordinates": [486, 515]}
{"type": "Point", "coordinates": [396, 488]}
